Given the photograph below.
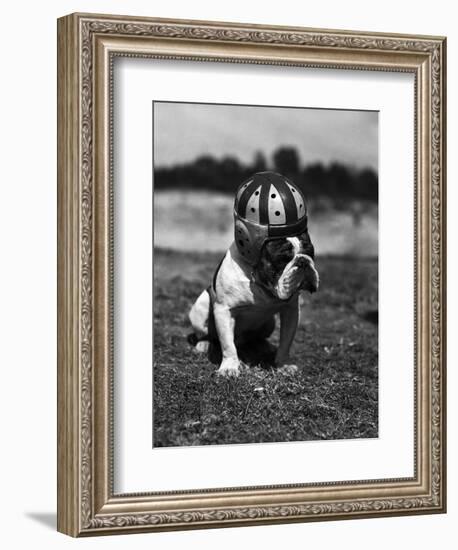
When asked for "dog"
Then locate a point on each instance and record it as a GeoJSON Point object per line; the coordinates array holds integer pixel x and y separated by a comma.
{"type": "Point", "coordinates": [258, 277]}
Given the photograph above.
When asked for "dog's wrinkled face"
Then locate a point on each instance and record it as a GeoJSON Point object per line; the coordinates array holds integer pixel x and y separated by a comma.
{"type": "Point", "coordinates": [286, 266]}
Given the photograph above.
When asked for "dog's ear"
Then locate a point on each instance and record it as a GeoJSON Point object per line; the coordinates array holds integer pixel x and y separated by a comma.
{"type": "Point", "coordinates": [311, 279]}
{"type": "Point", "coordinates": [307, 245]}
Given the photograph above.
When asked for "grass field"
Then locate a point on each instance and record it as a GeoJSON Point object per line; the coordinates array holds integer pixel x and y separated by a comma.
{"type": "Point", "coordinates": [334, 395]}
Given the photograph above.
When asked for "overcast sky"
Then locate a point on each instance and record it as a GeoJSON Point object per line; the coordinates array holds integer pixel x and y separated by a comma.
{"type": "Point", "coordinates": [184, 131]}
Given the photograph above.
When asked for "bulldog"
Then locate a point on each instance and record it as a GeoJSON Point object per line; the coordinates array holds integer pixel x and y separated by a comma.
{"type": "Point", "coordinates": [240, 305]}
{"type": "Point", "coordinates": [270, 261]}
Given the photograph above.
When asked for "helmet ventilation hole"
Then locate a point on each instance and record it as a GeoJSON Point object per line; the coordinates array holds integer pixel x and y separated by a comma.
{"type": "Point", "coordinates": [257, 193]}
{"type": "Point", "coordinates": [277, 213]}
{"type": "Point", "coordinates": [241, 242]}
{"type": "Point", "coordinates": [253, 209]}
{"type": "Point", "coordinates": [273, 195]}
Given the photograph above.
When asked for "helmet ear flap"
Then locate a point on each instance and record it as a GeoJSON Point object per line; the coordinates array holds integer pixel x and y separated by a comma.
{"type": "Point", "coordinates": [249, 238]}
{"type": "Point", "coordinates": [243, 241]}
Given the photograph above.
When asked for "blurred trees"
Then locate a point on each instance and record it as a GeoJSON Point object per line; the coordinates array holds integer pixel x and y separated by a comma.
{"type": "Point", "coordinates": [260, 163]}
{"type": "Point", "coordinates": [286, 161]}
{"type": "Point", "coordinates": [336, 182]}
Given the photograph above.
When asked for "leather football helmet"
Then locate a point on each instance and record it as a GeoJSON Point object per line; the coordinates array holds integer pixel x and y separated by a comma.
{"type": "Point", "coordinates": [267, 206]}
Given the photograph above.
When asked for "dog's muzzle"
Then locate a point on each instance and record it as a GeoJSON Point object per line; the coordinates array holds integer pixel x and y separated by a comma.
{"type": "Point", "coordinates": [299, 274]}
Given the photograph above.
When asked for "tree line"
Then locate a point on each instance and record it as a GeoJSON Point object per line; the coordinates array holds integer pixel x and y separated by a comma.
{"type": "Point", "coordinates": [335, 181]}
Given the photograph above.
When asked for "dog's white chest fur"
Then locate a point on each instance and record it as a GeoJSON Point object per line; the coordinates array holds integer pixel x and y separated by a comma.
{"type": "Point", "coordinates": [236, 289]}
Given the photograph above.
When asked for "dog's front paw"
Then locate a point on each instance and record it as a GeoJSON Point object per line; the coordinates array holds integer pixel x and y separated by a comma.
{"type": "Point", "coordinates": [285, 365]}
{"type": "Point", "coordinates": [288, 369]}
{"type": "Point", "coordinates": [229, 367]}
{"type": "Point", "coordinates": [202, 346]}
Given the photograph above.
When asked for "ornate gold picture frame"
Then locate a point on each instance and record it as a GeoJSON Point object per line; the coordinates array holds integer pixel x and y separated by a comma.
{"type": "Point", "coordinates": [87, 46]}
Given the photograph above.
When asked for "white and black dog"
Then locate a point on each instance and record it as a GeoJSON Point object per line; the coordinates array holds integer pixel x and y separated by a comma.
{"type": "Point", "coordinates": [246, 293]}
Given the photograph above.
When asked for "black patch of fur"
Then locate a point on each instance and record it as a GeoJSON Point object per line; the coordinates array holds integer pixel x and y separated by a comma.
{"type": "Point", "coordinates": [276, 254]}
{"type": "Point", "coordinates": [306, 244]}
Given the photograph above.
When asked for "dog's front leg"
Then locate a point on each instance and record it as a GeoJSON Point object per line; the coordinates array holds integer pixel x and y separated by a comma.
{"type": "Point", "coordinates": [225, 327]}
{"type": "Point", "coordinates": [289, 319]}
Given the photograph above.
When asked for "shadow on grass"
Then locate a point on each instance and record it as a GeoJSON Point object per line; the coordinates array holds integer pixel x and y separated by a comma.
{"type": "Point", "coordinates": [260, 353]}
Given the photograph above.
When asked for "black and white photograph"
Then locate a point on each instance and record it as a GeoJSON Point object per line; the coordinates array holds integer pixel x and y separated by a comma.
{"type": "Point", "coordinates": [265, 274]}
